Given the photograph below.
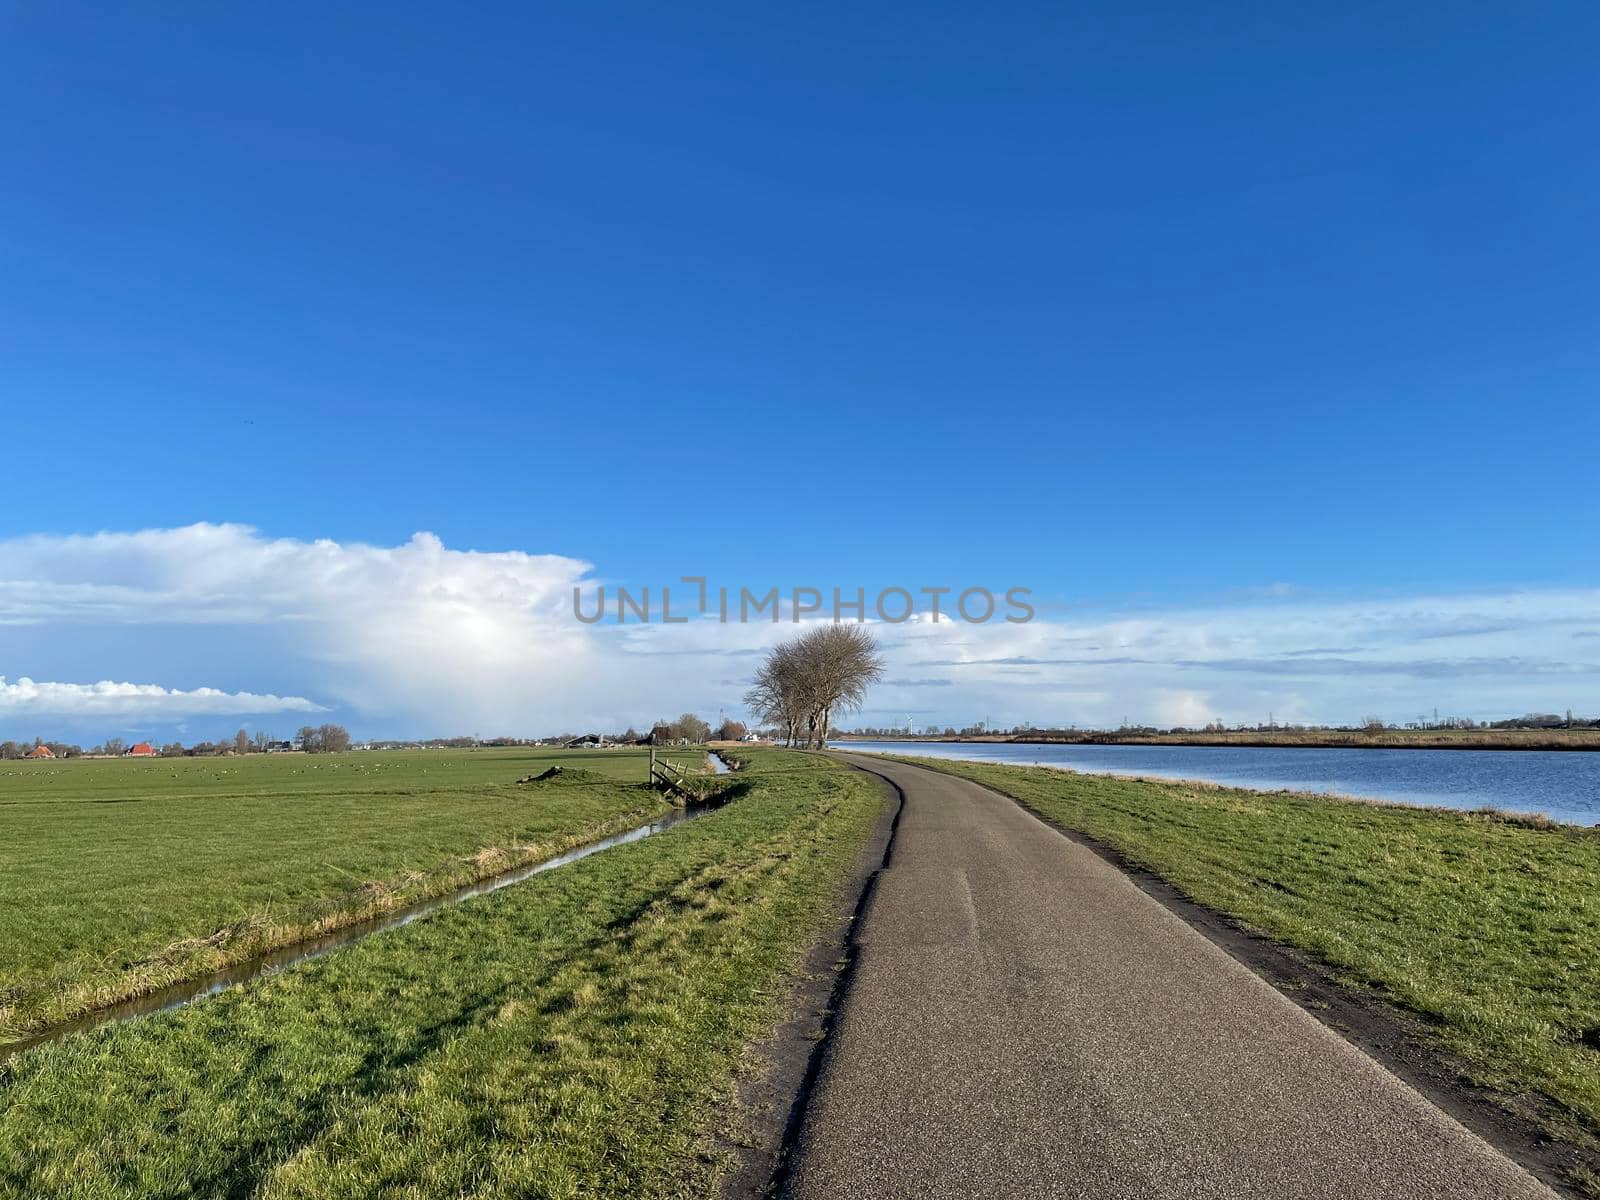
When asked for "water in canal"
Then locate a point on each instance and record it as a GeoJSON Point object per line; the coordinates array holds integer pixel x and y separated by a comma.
{"type": "Point", "coordinates": [1564, 785]}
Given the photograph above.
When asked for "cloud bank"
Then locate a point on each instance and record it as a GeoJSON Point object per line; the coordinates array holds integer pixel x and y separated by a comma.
{"type": "Point", "coordinates": [146, 700]}
{"type": "Point", "coordinates": [415, 635]}
{"type": "Point", "coordinates": [422, 638]}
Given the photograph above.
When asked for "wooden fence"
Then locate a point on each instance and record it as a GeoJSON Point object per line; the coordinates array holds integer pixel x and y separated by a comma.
{"type": "Point", "coordinates": [665, 773]}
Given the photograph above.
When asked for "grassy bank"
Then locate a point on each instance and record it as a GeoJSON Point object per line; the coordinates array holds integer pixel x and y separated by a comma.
{"type": "Point", "coordinates": [119, 876]}
{"type": "Point", "coordinates": [570, 1036]}
{"type": "Point", "coordinates": [1487, 926]}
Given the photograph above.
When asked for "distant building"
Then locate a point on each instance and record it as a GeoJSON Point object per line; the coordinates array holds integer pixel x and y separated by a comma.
{"type": "Point", "coordinates": [141, 750]}
{"type": "Point", "coordinates": [40, 752]}
{"type": "Point", "coordinates": [280, 747]}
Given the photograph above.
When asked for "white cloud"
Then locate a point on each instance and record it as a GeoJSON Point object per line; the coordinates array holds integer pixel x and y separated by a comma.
{"type": "Point", "coordinates": [421, 638]}
{"type": "Point", "coordinates": [144, 700]}
{"type": "Point", "coordinates": [1476, 654]}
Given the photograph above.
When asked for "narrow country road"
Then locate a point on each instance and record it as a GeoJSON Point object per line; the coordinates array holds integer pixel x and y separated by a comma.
{"type": "Point", "coordinates": [1024, 1021]}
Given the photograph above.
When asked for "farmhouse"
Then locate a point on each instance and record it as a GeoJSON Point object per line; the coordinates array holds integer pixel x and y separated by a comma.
{"type": "Point", "coordinates": [141, 750]}
{"type": "Point", "coordinates": [40, 752]}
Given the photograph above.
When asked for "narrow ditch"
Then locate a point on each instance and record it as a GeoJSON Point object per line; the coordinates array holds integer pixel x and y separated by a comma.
{"type": "Point", "coordinates": [188, 991]}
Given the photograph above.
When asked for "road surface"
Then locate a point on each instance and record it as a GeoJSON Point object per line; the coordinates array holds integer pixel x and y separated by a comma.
{"type": "Point", "coordinates": [1024, 1021]}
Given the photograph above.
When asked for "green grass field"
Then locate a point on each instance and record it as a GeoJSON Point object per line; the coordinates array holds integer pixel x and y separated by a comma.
{"type": "Point", "coordinates": [118, 876]}
{"type": "Point", "coordinates": [1488, 926]}
{"type": "Point", "coordinates": [573, 1035]}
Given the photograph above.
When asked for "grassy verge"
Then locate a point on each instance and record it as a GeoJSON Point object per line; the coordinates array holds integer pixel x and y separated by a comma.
{"type": "Point", "coordinates": [571, 1036]}
{"type": "Point", "coordinates": [1486, 925]}
{"type": "Point", "coordinates": [119, 877]}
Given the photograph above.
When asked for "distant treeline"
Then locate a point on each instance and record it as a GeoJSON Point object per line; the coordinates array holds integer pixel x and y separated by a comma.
{"type": "Point", "coordinates": [687, 727]}
{"type": "Point", "coordinates": [318, 739]}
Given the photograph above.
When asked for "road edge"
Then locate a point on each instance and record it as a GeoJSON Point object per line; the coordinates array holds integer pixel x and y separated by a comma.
{"type": "Point", "coordinates": [772, 1097]}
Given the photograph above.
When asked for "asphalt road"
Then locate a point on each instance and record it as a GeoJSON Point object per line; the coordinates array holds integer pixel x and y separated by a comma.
{"type": "Point", "coordinates": [1024, 1021]}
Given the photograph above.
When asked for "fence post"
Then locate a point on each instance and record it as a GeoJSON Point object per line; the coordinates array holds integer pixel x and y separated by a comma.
{"type": "Point", "coordinates": [652, 778]}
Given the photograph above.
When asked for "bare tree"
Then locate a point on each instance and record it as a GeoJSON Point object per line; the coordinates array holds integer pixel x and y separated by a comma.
{"type": "Point", "coordinates": [777, 693]}
{"type": "Point", "coordinates": [691, 727]}
{"type": "Point", "coordinates": [808, 680]}
{"type": "Point", "coordinates": [324, 739]}
{"type": "Point", "coordinates": [334, 739]}
{"type": "Point", "coordinates": [840, 662]}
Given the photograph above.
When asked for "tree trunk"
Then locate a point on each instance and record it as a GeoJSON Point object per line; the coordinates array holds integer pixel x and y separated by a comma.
{"type": "Point", "coordinates": [817, 732]}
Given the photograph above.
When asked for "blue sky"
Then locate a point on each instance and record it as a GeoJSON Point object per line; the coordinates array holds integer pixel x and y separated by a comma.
{"type": "Point", "coordinates": [1166, 313]}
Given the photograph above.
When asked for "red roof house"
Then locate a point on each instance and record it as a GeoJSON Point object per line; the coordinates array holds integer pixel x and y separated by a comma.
{"type": "Point", "coordinates": [141, 750]}
{"type": "Point", "coordinates": [40, 752]}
